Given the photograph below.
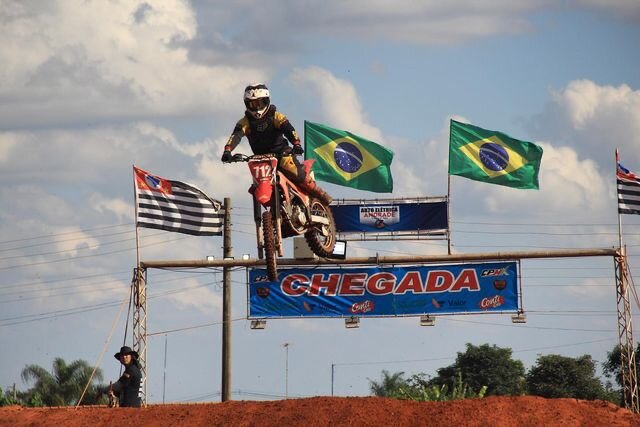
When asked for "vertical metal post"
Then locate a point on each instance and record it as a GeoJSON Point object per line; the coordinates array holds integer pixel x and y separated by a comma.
{"type": "Point", "coordinates": [333, 367]}
{"type": "Point", "coordinates": [164, 377]}
{"type": "Point", "coordinates": [625, 336]}
{"type": "Point", "coordinates": [226, 305]}
{"type": "Point", "coordinates": [286, 370]}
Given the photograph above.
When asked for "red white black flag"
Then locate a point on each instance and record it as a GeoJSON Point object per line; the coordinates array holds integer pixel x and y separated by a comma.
{"type": "Point", "coordinates": [628, 184]}
{"type": "Point", "coordinates": [175, 206]}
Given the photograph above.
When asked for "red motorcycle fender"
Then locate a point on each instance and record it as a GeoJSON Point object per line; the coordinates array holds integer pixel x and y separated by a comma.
{"type": "Point", "coordinates": [263, 192]}
{"type": "Point", "coordinates": [307, 166]}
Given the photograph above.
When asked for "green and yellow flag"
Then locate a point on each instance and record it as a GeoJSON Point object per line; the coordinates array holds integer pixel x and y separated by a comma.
{"type": "Point", "coordinates": [346, 159]}
{"type": "Point", "coordinates": [490, 156]}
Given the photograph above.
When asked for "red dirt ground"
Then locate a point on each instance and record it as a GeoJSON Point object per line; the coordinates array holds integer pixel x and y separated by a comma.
{"type": "Point", "coordinates": [338, 411]}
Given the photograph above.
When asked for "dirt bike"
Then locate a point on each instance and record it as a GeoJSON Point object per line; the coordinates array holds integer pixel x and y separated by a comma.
{"type": "Point", "coordinates": [288, 211]}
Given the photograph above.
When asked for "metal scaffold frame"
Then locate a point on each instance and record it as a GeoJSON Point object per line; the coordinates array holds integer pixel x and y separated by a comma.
{"type": "Point", "coordinates": [140, 325]}
{"type": "Point", "coordinates": [622, 277]}
{"type": "Point", "coordinates": [625, 336]}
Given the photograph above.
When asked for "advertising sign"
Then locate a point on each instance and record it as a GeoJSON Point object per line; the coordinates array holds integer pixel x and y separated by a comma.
{"type": "Point", "coordinates": [385, 291]}
{"type": "Point", "coordinates": [391, 216]}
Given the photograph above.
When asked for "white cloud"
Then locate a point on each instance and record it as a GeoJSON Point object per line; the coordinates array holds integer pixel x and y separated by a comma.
{"type": "Point", "coordinates": [198, 297]}
{"type": "Point", "coordinates": [595, 120]}
{"type": "Point", "coordinates": [80, 240]}
{"type": "Point", "coordinates": [568, 185]}
{"type": "Point", "coordinates": [427, 22]}
{"type": "Point", "coordinates": [122, 209]}
{"type": "Point", "coordinates": [101, 155]}
{"type": "Point", "coordinates": [7, 142]}
{"type": "Point", "coordinates": [71, 61]}
{"type": "Point", "coordinates": [348, 113]}
{"type": "Point", "coordinates": [627, 9]}
{"type": "Point", "coordinates": [224, 180]}
{"type": "Point", "coordinates": [590, 288]}
{"type": "Point", "coordinates": [24, 203]}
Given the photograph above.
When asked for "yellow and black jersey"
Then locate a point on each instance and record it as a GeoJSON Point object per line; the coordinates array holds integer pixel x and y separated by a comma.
{"type": "Point", "coordinates": [269, 134]}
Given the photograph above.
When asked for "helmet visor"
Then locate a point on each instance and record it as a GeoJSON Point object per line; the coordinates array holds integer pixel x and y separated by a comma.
{"type": "Point", "coordinates": [256, 104]}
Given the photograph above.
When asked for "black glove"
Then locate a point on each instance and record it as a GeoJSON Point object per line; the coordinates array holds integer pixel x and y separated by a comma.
{"type": "Point", "coordinates": [297, 149]}
{"type": "Point", "coordinates": [226, 156]}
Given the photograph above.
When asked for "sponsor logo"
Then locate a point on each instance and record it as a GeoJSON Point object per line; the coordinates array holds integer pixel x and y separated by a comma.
{"type": "Point", "coordinates": [451, 303]}
{"type": "Point", "coordinates": [379, 216]}
{"type": "Point", "coordinates": [380, 283]}
{"type": "Point", "coordinates": [500, 284]}
{"type": "Point", "coordinates": [263, 292]}
{"type": "Point", "coordinates": [491, 302]}
{"type": "Point", "coordinates": [456, 303]}
{"type": "Point", "coordinates": [362, 307]}
{"type": "Point", "coordinates": [494, 272]}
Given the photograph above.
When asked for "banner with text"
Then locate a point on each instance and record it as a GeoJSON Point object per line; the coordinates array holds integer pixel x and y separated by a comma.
{"type": "Point", "coordinates": [385, 291]}
{"type": "Point", "coordinates": [392, 216]}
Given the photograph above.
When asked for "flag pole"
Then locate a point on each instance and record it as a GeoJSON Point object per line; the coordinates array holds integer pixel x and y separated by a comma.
{"type": "Point", "coordinates": [449, 195]}
{"type": "Point", "coordinates": [135, 217]}
{"type": "Point", "coordinates": [618, 204]}
{"type": "Point", "coordinates": [448, 213]}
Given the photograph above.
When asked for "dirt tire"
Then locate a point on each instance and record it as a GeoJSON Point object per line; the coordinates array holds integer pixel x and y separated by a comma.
{"type": "Point", "coordinates": [321, 245]}
{"type": "Point", "coordinates": [269, 245]}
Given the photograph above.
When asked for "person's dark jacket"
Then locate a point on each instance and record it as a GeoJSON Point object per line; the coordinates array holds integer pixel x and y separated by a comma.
{"type": "Point", "coordinates": [127, 388]}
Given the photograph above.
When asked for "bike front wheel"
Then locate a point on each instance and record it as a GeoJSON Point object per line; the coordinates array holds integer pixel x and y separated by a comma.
{"type": "Point", "coordinates": [269, 245]}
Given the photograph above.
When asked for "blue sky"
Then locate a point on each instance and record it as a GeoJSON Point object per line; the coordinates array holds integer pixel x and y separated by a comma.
{"type": "Point", "coordinates": [89, 88]}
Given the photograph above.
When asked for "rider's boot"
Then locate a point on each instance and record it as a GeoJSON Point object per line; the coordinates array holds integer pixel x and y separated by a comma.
{"type": "Point", "coordinates": [315, 191]}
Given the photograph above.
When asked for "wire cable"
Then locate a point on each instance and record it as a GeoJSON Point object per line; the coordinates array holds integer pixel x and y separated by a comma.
{"type": "Point", "coordinates": [91, 256]}
{"type": "Point", "coordinates": [44, 236]}
{"type": "Point", "coordinates": [104, 349]}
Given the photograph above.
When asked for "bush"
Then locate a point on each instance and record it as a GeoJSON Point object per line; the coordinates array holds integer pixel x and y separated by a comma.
{"type": "Point", "coordinates": [434, 393]}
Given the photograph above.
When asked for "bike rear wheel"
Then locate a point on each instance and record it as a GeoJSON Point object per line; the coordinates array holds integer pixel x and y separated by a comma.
{"type": "Point", "coordinates": [269, 245]}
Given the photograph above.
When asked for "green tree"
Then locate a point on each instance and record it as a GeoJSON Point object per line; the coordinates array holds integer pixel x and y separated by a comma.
{"type": "Point", "coordinates": [485, 366]}
{"type": "Point", "coordinates": [62, 387]}
{"type": "Point", "coordinates": [390, 385]}
{"type": "Point", "coordinates": [7, 399]}
{"type": "Point", "coordinates": [558, 376]}
{"type": "Point", "coordinates": [612, 367]}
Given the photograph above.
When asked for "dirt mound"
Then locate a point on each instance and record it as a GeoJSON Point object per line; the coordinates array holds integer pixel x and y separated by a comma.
{"type": "Point", "coordinates": [339, 411]}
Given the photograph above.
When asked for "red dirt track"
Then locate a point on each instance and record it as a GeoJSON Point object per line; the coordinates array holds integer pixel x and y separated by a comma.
{"type": "Point", "coordinates": [338, 411]}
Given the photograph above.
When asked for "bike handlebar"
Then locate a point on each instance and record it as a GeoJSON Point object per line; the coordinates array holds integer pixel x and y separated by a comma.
{"type": "Point", "coordinates": [239, 157]}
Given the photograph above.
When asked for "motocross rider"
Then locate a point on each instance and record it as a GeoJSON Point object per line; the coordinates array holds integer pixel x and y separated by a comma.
{"type": "Point", "coordinates": [268, 131]}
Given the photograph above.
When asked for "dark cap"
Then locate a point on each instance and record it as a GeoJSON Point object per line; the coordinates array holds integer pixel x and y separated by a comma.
{"type": "Point", "coordinates": [126, 350]}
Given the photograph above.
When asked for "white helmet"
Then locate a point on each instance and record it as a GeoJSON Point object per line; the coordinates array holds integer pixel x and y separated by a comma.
{"type": "Point", "coordinates": [256, 99]}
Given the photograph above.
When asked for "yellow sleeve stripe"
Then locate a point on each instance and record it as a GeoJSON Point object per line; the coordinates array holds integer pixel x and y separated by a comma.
{"type": "Point", "coordinates": [243, 124]}
{"type": "Point", "coordinates": [279, 119]}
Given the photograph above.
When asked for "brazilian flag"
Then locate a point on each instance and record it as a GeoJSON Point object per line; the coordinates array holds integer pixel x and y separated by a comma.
{"type": "Point", "coordinates": [490, 156]}
{"type": "Point", "coordinates": [346, 159]}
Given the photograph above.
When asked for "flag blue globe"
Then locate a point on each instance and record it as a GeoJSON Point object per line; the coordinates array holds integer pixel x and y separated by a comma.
{"type": "Point", "coordinates": [348, 157]}
{"type": "Point", "coordinates": [494, 156]}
